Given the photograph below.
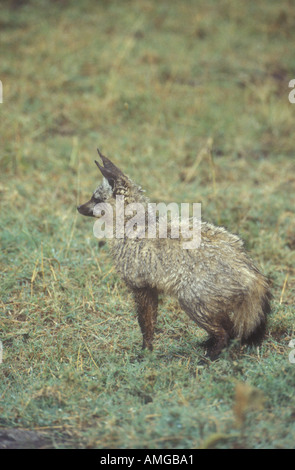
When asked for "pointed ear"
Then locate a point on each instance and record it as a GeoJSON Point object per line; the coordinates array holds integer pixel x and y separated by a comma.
{"type": "Point", "coordinates": [108, 174]}
{"type": "Point", "coordinates": [109, 165]}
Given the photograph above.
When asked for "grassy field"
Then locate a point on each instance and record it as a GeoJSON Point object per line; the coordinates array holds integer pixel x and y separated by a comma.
{"type": "Point", "coordinates": [191, 100]}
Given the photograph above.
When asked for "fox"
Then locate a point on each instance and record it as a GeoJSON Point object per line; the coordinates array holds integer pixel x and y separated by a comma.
{"type": "Point", "coordinates": [217, 284]}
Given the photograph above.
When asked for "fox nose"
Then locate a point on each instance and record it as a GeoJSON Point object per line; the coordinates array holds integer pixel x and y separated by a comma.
{"type": "Point", "coordinates": [80, 209]}
{"type": "Point", "coordinates": [86, 209]}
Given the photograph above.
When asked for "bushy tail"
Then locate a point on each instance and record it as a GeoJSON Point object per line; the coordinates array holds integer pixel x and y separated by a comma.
{"type": "Point", "coordinates": [251, 317]}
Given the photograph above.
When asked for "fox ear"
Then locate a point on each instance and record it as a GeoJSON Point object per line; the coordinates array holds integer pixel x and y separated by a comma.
{"type": "Point", "coordinates": [109, 165]}
{"type": "Point", "coordinates": [110, 171]}
{"type": "Point", "coordinates": [108, 174]}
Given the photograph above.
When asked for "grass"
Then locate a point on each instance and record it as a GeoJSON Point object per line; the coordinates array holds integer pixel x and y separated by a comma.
{"type": "Point", "coordinates": [154, 85]}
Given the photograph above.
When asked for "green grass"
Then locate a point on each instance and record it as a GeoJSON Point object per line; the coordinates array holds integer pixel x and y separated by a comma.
{"type": "Point", "coordinates": [150, 83]}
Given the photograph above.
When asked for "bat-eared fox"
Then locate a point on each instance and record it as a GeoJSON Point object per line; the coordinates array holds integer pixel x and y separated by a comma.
{"type": "Point", "coordinates": [216, 283]}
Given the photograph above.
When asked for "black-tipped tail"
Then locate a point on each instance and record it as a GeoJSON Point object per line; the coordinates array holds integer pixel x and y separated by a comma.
{"type": "Point", "coordinates": [257, 335]}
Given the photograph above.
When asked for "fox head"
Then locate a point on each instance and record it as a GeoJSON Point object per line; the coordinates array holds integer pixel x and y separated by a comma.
{"type": "Point", "coordinates": [114, 183]}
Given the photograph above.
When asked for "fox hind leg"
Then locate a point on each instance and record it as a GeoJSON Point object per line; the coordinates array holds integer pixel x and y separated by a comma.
{"type": "Point", "coordinates": [218, 325]}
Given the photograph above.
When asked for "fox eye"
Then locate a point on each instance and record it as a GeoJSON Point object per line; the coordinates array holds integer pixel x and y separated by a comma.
{"type": "Point", "coordinates": [97, 199]}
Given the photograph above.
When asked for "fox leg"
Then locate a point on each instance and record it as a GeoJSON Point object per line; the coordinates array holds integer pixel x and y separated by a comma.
{"type": "Point", "coordinates": [146, 300]}
{"type": "Point", "coordinates": [218, 325]}
{"type": "Point", "coordinates": [216, 343]}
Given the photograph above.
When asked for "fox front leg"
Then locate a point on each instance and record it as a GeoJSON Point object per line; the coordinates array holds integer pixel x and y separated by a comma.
{"type": "Point", "coordinates": [146, 300]}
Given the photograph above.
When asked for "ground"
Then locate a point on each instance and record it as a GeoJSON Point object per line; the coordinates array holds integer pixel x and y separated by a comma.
{"type": "Point", "coordinates": [191, 100]}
